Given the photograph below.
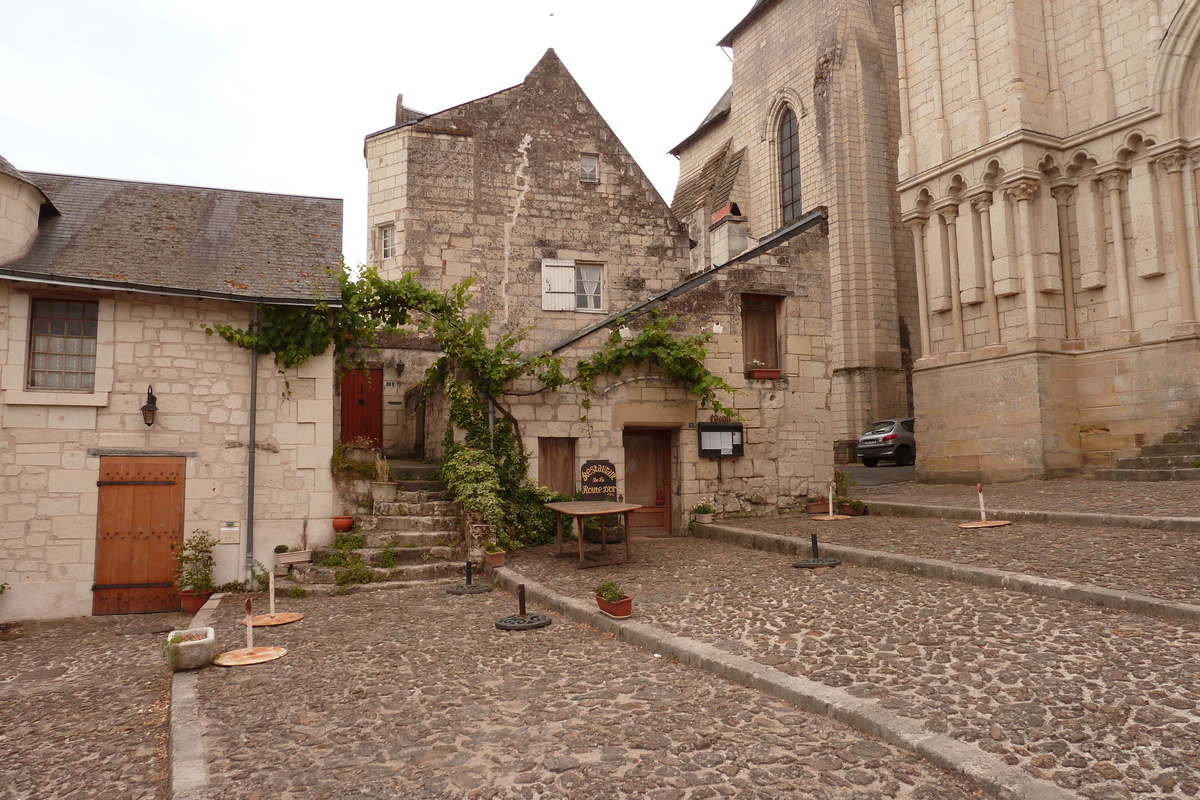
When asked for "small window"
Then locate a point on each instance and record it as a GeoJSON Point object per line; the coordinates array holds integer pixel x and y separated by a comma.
{"type": "Point", "coordinates": [571, 286]}
{"type": "Point", "coordinates": [556, 464]}
{"type": "Point", "coordinates": [760, 330]}
{"type": "Point", "coordinates": [589, 169]}
{"type": "Point", "coordinates": [62, 345]}
{"type": "Point", "coordinates": [387, 241]}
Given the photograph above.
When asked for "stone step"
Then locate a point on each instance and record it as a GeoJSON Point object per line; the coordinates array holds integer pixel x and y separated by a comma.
{"type": "Point", "coordinates": [372, 556]}
{"type": "Point", "coordinates": [1147, 474]}
{"type": "Point", "coordinates": [1172, 449]}
{"type": "Point", "coordinates": [1190, 434]}
{"type": "Point", "coordinates": [421, 486]}
{"type": "Point", "coordinates": [408, 470]}
{"type": "Point", "coordinates": [432, 570]}
{"type": "Point", "coordinates": [1159, 462]}
{"type": "Point", "coordinates": [415, 524]}
{"type": "Point", "coordinates": [419, 508]}
{"type": "Point", "coordinates": [413, 538]}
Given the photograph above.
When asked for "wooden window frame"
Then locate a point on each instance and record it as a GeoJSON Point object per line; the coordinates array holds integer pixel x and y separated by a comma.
{"type": "Point", "coordinates": [761, 315]}
{"type": "Point", "coordinates": [387, 241]}
{"type": "Point", "coordinates": [790, 205]}
{"type": "Point", "coordinates": [63, 340]}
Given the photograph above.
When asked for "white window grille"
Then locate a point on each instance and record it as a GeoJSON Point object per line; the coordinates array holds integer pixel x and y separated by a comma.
{"type": "Point", "coordinates": [387, 241]}
{"type": "Point", "coordinates": [589, 169]}
{"type": "Point", "coordinates": [587, 286]}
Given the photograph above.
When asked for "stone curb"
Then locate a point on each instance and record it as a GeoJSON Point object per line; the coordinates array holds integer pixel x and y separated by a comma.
{"type": "Point", "coordinates": [885, 508]}
{"type": "Point", "coordinates": [188, 770]}
{"type": "Point", "coordinates": [948, 570]}
{"type": "Point", "coordinates": [990, 774]}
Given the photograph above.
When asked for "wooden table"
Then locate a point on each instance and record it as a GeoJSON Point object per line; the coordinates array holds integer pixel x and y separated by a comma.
{"type": "Point", "coordinates": [580, 509]}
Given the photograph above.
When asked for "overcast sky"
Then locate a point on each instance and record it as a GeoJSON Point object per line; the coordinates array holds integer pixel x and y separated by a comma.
{"type": "Point", "coordinates": [276, 97]}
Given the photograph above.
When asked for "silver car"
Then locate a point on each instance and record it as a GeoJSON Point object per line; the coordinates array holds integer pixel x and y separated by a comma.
{"type": "Point", "coordinates": [888, 440]}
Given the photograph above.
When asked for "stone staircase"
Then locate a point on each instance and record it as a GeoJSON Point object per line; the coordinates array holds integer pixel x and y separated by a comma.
{"type": "Point", "coordinates": [1176, 458]}
{"type": "Point", "coordinates": [417, 537]}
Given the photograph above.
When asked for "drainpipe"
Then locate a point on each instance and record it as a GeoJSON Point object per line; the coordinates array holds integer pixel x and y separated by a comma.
{"type": "Point", "coordinates": [253, 450]}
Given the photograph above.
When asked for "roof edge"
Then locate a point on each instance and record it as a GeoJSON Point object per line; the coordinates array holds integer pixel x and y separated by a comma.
{"type": "Point", "coordinates": [81, 283]}
{"type": "Point", "coordinates": [758, 8]}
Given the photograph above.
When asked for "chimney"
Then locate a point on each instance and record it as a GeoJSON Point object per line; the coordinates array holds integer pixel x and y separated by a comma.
{"type": "Point", "coordinates": [399, 109]}
{"type": "Point", "coordinates": [727, 233]}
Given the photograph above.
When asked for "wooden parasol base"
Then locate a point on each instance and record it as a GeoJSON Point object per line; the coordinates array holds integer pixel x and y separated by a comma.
{"type": "Point", "coordinates": [251, 655]}
{"type": "Point", "coordinates": [829, 517]}
{"type": "Point", "coordinates": [991, 523]}
{"type": "Point", "coordinates": [282, 618]}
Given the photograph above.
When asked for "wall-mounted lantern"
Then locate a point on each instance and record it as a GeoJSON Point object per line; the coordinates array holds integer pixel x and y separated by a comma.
{"type": "Point", "coordinates": [150, 410]}
{"type": "Point", "coordinates": [625, 333]}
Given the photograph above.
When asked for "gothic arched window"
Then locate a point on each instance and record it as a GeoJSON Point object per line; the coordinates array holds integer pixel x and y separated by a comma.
{"type": "Point", "coordinates": [789, 167]}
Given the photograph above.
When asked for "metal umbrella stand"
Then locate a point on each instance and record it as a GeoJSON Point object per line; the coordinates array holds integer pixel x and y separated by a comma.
{"type": "Point", "coordinates": [522, 621]}
{"type": "Point", "coordinates": [468, 587]}
{"type": "Point", "coordinates": [816, 561]}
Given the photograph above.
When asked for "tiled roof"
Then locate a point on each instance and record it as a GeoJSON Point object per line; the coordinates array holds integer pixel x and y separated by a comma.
{"type": "Point", "coordinates": [186, 240]}
{"type": "Point", "coordinates": [718, 112]}
{"type": "Point", "coordinates": [710, 186]}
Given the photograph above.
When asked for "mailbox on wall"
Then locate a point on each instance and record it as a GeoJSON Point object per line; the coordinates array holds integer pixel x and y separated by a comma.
{"type": "Point", "coordinates": [721, 439]}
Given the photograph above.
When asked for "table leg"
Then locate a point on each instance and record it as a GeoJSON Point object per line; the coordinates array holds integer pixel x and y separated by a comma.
{"type": "Point", "coordinates": [603, 538]}
{"type": "Point", "coordinates": [579, 532]}
{"type": "Point", "coordinates": [558, 525]}
{"type": "Point", "coordinates": [628, 550]}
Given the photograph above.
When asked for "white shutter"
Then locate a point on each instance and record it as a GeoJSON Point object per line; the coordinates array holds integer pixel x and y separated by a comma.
{"type": "Point", "coordinates": [558, 285]}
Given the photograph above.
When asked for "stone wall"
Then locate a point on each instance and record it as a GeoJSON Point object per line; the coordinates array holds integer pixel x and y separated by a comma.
{"type": "Point", "coordinates": [19, 204]}
{"type": "Point", "coordinates": [50, 442]}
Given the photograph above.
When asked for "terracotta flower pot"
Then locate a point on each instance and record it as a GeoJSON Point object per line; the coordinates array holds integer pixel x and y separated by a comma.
{"type": "Point", "coordinates": [192, 602]}
{"type": "Point", "coordinates": [622, 609]}
{"type": "Point", "coordinates": [764, 374]}
{"type": "Point", "coordinates": [851, 511]}
{"type": "Point", "coordinates": [342, 524]}
{"type": "Point", "coordinates": [495, 559]}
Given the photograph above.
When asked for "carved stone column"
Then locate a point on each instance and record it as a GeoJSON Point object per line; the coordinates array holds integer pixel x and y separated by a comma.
{"type": "Point", "coordinates": [983, 204]}
{"type": "Point", "coordinates": [907, 165]}
{"type": "Point", "coordinates": [1174, 164]}
{"type": "Point", "coordinates": [917, 226]}
{"type": "Point", "coordinates": [1022, 194]}
{"type": "Point", "coordinates": [1063, 196]}
{"type": "Point", "coordinates": [949, 216]}
{"type": "Point", "coordinates": [939, 102]}
{"type": "Point", "coordinates": [1113, 181]}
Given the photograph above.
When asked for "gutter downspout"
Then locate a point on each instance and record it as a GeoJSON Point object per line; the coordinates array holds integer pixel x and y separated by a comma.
{"type": "Point", "coordinates": [254, 323]}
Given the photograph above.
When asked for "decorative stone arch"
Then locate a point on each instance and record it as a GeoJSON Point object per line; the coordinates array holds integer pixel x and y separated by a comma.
{"type": "Point", "coordinates": [786, 99]}
{"type": "Point", "coordinates": [1135, 144]}
{"type": "Point", "coordinates": [1176, 81]}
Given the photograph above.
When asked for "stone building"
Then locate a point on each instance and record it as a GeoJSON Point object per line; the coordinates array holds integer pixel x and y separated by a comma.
{"type": "Point", "coordinates": [1049, 173]}
{"type": "Point", "coordinates": [529, 192]}
{"type": "Point", "coordinates": [105, 287]}
{"type": "Point", "coordinates": [811, 120]}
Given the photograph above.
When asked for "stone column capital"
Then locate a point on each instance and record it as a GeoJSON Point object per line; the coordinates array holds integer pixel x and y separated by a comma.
{"type": "Point", "coordinates": [981, 202]}
{"type": "Point", "coordinates": [916, 224]}
{"type": "Point", "coordinates": [1063, 195]}
{"type": "Point", "coordinates": [1174, 162]}
{"type": "Point", "coordinates": [1022, 190]}
{"type": "Point", "coordinates": [1114, 180]}
{"type": "Point", "coordinates": [948, 213]}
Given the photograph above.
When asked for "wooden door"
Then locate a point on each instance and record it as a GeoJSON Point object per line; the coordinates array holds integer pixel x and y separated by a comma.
{"type": "Point", "coordinates": [648, 479]}
{"type": "Point", "coordinates": [139, 531]}
{"type": "Point", "coordinates": [362, 405]}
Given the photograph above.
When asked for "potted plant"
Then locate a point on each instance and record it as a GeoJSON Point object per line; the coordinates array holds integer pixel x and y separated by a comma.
{"type": "Point", "coordinates": [854, 508]}
{"type": "Point", "coordinates": [816, 504]}
{"type": "Point", "coordinates": [703, 511]}
{"type": "Point", "coordinates": [613, 601]}
{"type": "Point", "coordinates": [383, 488]}
{"type": "Point", "coordinates": [195, 575]}
{"type": "Point", "coordinates": [757, 370]}
{"type": "Point", "coordinates": [493, 556]}
{"type": "Point", "coordinates": [342, 523]}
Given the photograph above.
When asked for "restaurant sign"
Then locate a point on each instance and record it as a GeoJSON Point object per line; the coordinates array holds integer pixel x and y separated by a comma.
{"type": "Point", "coordinates": [599, 480]}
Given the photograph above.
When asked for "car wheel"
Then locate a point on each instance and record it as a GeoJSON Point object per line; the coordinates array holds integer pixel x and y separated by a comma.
{"type": "Point", "coordinates": [904, 457]}
{"type": "Point", "coordinates": [870, 462]}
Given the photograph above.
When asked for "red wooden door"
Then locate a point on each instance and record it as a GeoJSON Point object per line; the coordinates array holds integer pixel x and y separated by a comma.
{"type": "Point", "coordinates": [139, 530]}
{"type": "Point", "coordinates": [648, 479]}
{"type": "Point", "coordinates": [362, 405]}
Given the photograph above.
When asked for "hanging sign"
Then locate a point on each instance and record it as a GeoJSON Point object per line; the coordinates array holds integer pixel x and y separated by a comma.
{"type": "Point", "coordinates": [599, 480]}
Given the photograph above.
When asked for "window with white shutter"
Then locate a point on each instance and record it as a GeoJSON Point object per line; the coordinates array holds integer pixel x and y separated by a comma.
{"type": "Point", "coordinates": [558, 285]}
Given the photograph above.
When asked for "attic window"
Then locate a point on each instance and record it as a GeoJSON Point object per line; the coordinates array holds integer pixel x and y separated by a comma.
{"type": "Point", "coordinates": [387, 241]}
{"type": "Point", "coordinates": [589, 168]}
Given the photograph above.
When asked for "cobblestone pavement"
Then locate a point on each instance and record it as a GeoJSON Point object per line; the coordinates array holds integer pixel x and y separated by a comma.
{"type": "Point", "coordinates": [1101, 703]}
{"type": "Point", "coordinates": [1163, 564]}
{"type": "Point", "coordinates": [83, 709]}
{"type": "Point", "coordinates": [1143, 498]}
{"type": "Point", "coordinates": [413, 693]}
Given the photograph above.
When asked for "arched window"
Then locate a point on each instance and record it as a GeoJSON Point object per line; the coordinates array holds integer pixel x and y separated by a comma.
{"type": "Point", "coordinates": [789, 167]}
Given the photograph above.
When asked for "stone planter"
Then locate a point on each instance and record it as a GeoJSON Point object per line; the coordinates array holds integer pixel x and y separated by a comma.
{"type": "Point", "coordinates": [704, 518]}
{"type": "Point", "coordinates": [384, 491]}
{"type": "Point", "coordinates": [190, 649]}
{"type": "Point", "coordinates": [285, 560]}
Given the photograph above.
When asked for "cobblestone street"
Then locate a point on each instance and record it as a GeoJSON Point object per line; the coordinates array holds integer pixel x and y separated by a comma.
{"type": "Point", "coordinates": [410, 692]}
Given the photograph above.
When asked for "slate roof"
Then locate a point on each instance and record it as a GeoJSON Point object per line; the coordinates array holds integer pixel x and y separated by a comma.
{"type": "Point", "coordinates": [185, 240]}
{"type": "Point", "coordinates": [711, 185]}
{"type": "Point", "coordinates": [718, 112]}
